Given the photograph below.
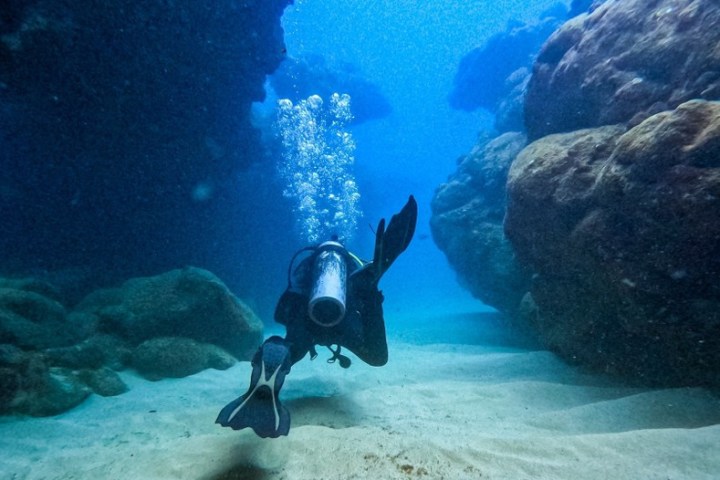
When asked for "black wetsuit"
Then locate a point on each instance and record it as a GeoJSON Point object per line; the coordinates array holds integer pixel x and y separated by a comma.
{"type": "Point", "coordinates": [361, 329]}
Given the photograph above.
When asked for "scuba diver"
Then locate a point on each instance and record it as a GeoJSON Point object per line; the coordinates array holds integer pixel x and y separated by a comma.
{"type": "Point", "coordinates": [332, 298]}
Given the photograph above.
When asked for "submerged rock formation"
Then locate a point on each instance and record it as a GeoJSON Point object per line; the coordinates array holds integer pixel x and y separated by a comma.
{"type": "Point", "coordinates": [623, 62]}
{"type": "Point", "coordinates": [177, 357]}
{"type": "Point", "coordinates": [623, 231]}
{"type": "Point", "coordinates": [191, 303]}
{"type": "Point", "coordinates": [31, 320]}
{"type": "Point", "coordinates": [617, 225]}
{"type": "Point", "coordinates": [176, 324]}
{"type": "Point", "coordinates": [32, 383]}
{"type": "Point", "coordinates": [123, 127]}
{"type": "Point", "coordinates": [467, 224]}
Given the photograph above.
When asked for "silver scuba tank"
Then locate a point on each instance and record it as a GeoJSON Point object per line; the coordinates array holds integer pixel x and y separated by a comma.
{"type": "Point", "coordinates": [327, 297]}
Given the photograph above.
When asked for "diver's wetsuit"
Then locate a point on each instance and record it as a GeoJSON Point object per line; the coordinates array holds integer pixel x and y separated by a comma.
{"type": "Point", "coordinates": [360, 328]}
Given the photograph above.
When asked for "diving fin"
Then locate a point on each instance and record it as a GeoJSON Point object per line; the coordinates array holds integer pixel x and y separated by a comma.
{"type": "Point", "coordinates": [391, 242]}
{"type": "Point", "coordinates": [260, 408]}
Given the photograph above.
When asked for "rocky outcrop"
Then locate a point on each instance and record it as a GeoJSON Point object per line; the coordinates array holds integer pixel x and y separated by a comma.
{"type": "Point", "coordinates": [510, 114]}
{"type": "Point", "coordinates": [175, 357]}
{"type": "Point", "coordinates": [623, 62]}
{"type": "Point", "coordinates": [34, 316]}
{"type": "Point", "coordinates": [171, 325]}
{"type": "Point", "coordinates": [121, 122]}
{"type": "Point", "coordinates": [190, 302]}
{"type": "Point", "coordinates": [31, 320]}
{"type": "Point", "coordinates": [622, 230]}
{"type": "Point", "coordinates": [30, 384]}
{"type": "Point", "coordinates": [612, 211]}
{"type": "Point", "coordinates": [466, 223]}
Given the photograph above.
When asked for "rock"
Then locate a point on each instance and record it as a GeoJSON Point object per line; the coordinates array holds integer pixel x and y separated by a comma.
{"type": "Point", "coordinates": [93, 353]}
{"type": "Point", "coordinates": [189, 302]}
{"type": "Point", "coordinates": [10, 355]}
{"type": "Point", "coordinates": [550, 189]}
{"type": "Point", "coordinates": [11, 363]}
{"type": "Point", "coordinates": [622, 63]}
{"type": "Point", "coordinates": [663, 183]}
{"type": "Point", "coordinates": [31, 306]}
{"type": "Point", "coordinates": [10, 382]}
{"type": "Point", "coordinates": [130, 109]}
{"type": "Point", "coordinates": [481, 78]}
{"type": "Point", "coordinates": [622, 230]}
{"type": "Point", "coordinates": [33, 321]}
{"type": "Point", "coordinates": [177, 357]}
{"type": "Point", "coordinates": [29, 386]}
{"type": "Point", "coordinates": [103, 381]}
{"type": "Point", "coordinates": [45, 391]}
{"type": "Point", "coordinates": [510, 116]}
{"type": "Point", "coordinates": [58, 391]}
{"type": "Point", "coordinates": [32, 284]}
{"type": "Point", "coordinates": [466, 224]}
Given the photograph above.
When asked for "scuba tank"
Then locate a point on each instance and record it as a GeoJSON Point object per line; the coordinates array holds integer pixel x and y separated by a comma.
{"type": "Point", "coordinates": [329, 285]}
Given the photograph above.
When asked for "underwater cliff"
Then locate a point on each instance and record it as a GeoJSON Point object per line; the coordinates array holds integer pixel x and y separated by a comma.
{"type": "Point", "coordinates": [609, 199]}
{"type": "Point", "coordinates": [125, 131]}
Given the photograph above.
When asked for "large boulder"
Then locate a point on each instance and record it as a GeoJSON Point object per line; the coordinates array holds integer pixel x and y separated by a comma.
{"type": "Point", "coordinates": [95, 352]}
{"type": "Point", "coordinates": [172, 325]}
{"type": "Point", "coordinates": [623, 62]}
{"type": "Point", "coordinates": [43, 368]}
{"type": "Point", "coordinates": [622, 230]}
{"type": "Point", "coordinates": [189, 302]}
{"type": "Point", "coordinates": [510, 114]}
{"type": "Point", "coordinates": [176, 357]}
{"type": "Point", "coordinates": [466, 223]}
{"type": "Point", "coordinates": [32, 320]}
{"type": "Point", "coordinates": [28, 385]}
{"type": "Point", "coordinates": [31, 385]}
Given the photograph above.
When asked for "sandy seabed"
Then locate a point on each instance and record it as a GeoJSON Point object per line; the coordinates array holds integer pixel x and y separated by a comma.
{"type": "Point", "coordinates": [459, 400]}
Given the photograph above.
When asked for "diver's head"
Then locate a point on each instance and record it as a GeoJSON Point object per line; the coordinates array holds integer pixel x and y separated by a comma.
{"type": "Point", "coordinates": [327, 297]}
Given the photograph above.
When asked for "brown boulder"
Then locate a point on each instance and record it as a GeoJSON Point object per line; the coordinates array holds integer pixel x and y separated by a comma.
{"type": "Point", "coordinates": [623, 231]}
{"type": "Point", "coordinates": [624, 62]}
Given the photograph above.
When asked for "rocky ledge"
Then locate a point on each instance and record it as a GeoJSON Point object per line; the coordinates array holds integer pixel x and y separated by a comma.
{"type": "Point", "coordinates": [171, 325]}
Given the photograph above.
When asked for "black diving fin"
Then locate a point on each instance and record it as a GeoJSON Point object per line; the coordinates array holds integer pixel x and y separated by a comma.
{"type": "Point", "coordinates": [260, 408]}
{"type": "Point", "coordinates": [391, 242]}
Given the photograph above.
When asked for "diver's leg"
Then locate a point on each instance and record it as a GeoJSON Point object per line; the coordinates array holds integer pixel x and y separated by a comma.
{"type": "Point", "coordinates": [291, 311]}
{"type": "Point", "coordinates": [299, 339]}
{"type": "Point", "coordinates": [373, 348]}
{"type": "Point", "coordinates": [363, 330]}
{"type": "Point", "coordinates": [260, 408]}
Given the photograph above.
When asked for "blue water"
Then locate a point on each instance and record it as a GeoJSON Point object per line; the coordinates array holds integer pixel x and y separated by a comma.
{"type": "Point", "coordinates": [411, 50]}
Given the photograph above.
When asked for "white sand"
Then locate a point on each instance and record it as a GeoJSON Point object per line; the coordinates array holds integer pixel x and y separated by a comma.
{"type": "Point", "coordinates": [437, 410]}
